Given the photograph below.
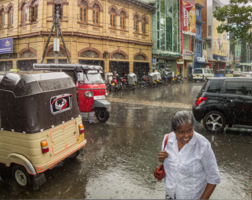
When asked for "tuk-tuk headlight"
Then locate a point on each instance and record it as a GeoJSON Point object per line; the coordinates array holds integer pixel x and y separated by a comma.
{"type": "Point", "coordinates": [106, 93]}
{"type": "Point", "coordinates": [89, 94]}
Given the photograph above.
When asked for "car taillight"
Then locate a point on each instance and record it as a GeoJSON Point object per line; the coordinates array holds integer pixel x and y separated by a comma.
{"type": "Point", "coordinates": [200, 100]}
{"type": "Point", "coordinates": [82, 130]}
{"type": "Point", "coordinates": [44, 146]}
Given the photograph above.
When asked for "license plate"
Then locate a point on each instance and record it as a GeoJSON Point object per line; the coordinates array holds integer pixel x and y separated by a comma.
{"type": "Point", "coordinates": [197, 76]}
{"type": "Point", "coordinates": [80, 138]}
{"type": "Point", "coordinates": [99, 97]}
{"type": "Point", "coordinates": [113, 84]}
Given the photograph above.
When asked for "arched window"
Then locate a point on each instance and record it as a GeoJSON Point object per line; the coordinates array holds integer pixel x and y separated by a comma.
{"type": "Point", "coordinates": [83, 11]}
{"type": "Point", "coordinates": [89, 54]}
{"type": "Point", "coordinates": [24, 13]}
{"type": "Point", "coordinates": [10, 15]}
{"type": "Point", "coordinates": [144, 22]}
{"type": "Point", "coordinates": [118, 56]}
{"type": "Point", "coordinates": [2, 18]}
{"type": "Point", "coordinates": [139, 57]}
{"type": "Point", "coordinates": [96, 14]}
{"type": "Point", "coordinates": [28, 54]}
{"type": "Point", "coordinates": [52, 54]}
{"type": "Point", "coordinates": [122, 20]}
{"type": "Point", "coordinates": [113, 18]}
{"type": "Point", "coordinates": [136, 29]}
{"type": "Point", "coordinates": [34, 11]}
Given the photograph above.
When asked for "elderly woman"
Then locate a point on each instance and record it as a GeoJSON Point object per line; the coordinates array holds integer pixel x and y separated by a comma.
{"type": "Point", "coordinates": [191, 170]}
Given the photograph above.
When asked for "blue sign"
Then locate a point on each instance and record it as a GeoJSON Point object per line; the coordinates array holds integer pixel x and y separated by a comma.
{"type": "Point", "coordinates": [153, 60]}
{"type": "Point", "coordinates": [6, 45]}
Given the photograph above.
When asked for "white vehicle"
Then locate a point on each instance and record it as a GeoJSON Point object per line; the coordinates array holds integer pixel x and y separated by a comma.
{"type": "Point", "coordinates": [202, 74]}
{"type": "Point", "coordinates": [237, 72]}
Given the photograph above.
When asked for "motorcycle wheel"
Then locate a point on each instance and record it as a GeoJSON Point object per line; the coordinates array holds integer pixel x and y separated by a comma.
{"type": "Point", "coordinates": [102, 115]}
{"type": "Point", "coordinates": [172, 82]}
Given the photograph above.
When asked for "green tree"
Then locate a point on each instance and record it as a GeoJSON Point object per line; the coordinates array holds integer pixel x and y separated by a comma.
{"type": "Point", "coordinates": [238, 14]}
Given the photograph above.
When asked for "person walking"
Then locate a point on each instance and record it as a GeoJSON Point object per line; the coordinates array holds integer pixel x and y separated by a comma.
{"type": "Point", "coordinates": [191, 170]}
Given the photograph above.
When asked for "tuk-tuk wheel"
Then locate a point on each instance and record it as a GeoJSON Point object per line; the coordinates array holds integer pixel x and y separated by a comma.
{"type": "Point", "coordinates": [102, 114]}
{"type": "Point", "coordinates": [74, 155]}
{"type": "Point", "coordinates": [21, 176]}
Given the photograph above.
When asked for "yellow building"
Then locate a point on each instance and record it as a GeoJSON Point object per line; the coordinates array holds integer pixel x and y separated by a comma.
{"type": "Point", "coordinates": [110, 33]}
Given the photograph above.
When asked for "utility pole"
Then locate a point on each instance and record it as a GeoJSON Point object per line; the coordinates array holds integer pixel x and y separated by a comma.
{"type": "Point", "coordinates": [56, 47]}
{"type": "Point", "coordinates": [56, 44]}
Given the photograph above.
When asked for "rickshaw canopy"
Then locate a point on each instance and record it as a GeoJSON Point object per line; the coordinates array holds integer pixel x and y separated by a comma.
{"type": "Point", "coordinates": [69, 67]}
{"type": "Point", "coordinates": [33, 102]}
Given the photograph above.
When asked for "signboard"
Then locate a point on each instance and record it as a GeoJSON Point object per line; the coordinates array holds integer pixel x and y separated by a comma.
{"type": "Point", "coordinates": [169, 53]}
{"type": "Point", "coordinates": [153, 60]}
{"type": "Point", "coordinates": [180, 62]}
{"type": "Point", "coordinates": [186, 22]}
{"type": "Point", "coordinates": [187, 55]}
{"type": "Point", "coordinates": [219, 42]}
{"type": "Point", "coordinates": [6, 45]}
{"type": "Point", "coordinates": [199, 59]}
{"type": "Point", "coordinates": [189, 17]}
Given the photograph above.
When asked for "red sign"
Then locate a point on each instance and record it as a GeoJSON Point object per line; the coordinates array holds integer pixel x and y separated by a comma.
{"type": "Point", "coordinates": [188, 7]}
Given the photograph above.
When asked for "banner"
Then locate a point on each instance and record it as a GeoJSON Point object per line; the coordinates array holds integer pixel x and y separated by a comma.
{"type": "Point", "coordinates": [219, 42]}
{"type": "Point", "coordinates": [6, 45]}
{"type": "Point", "coordinates": [189, 25]}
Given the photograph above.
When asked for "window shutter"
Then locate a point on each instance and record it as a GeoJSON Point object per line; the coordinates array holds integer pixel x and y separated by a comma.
{"type": "Point", "coordinates": [97, 17]}
{"type": "Point", "coordinates": [85, 13]}
{"type": "Point", "coordinates": [36, 12]}
{"type": "Point", "coordinates": [81, 13]}
{"type": "Point", "coordinates": [93, 16]}
{"type": "Point", "coordinates": [31, 15]}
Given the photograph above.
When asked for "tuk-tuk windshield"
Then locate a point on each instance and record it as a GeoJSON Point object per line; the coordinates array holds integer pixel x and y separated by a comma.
{"type": "Point", "coordinates": [93, 77]}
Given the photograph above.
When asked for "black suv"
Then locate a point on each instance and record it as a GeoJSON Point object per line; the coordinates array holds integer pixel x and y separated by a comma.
{"type": "Point", "coordinates": [224, 101]}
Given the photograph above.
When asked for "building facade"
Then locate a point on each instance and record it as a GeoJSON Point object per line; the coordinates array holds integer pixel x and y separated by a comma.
{"type": "Point", "coordinates": [200, 60]}
{"type": "Point", "coordinates": [165, 34]}
{"type": "Point", "coordinates": [217, 44]}
{"type": "Point", "coordinates": [188, 33]}
{"type": "Point", "coordinates": [110, 33]}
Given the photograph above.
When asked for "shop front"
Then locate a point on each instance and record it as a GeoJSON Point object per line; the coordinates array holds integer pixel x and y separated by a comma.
{"type": "Point", "coordinates": [5, 66]}
{"type": "Point", "coordinates": [199, 62]}
{"type": "Point", "coordinates": [220, 61]}
{"type": "Point", "coordinates": [141, 69]}
{"type": "Point", "coordinates": [25, 65]}
{"type": "Point", "coordinates": [122, 68]}
{"type": "Point", "coordinates": [186, 68]}
{"type": "Point", "coordinates": [165, 60]}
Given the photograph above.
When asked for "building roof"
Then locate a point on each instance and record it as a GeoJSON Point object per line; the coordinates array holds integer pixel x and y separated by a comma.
{"type": "Point", "coordinates": [147, 4]}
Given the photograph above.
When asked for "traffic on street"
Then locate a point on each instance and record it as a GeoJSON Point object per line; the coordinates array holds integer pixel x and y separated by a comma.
{"type": "Point", "coordinates": [121, 155]}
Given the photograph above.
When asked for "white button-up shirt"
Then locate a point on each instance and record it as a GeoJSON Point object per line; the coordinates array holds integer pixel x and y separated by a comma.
{"type": "Point", "coordinates": [189, 170]}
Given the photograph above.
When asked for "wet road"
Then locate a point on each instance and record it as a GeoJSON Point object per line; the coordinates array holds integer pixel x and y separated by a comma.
{"type": "Point", "coordinates": [121, 155]}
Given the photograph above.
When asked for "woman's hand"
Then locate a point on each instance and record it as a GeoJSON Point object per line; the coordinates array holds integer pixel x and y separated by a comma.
{"type": "Point", "coordinates": [162, 156]}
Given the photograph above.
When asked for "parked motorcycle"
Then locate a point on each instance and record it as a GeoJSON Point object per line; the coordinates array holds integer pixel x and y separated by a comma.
{"type": "Point", "coordinates": [178, 79]}
{"type": "Point", "coordinates": [116, 84]}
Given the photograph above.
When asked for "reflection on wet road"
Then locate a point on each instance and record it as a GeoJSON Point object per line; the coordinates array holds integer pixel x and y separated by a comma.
{"type": "Point", "coordinates": [121, 155]}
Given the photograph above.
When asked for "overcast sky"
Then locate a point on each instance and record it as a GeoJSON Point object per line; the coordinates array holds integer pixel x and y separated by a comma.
{"type": "Point", "coordinates": [225, 1]}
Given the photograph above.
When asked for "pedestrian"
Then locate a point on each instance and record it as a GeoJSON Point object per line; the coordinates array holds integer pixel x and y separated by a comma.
{"type": "Point", "coordinates": [114, 73]}
{"type": "Point", "coordinates": [156, 70]}
{"type": "Point", "coordinates": [191, 170]}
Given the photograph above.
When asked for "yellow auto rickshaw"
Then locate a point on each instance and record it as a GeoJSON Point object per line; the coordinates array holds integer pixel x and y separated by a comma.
{"type": "Point", "coordinates": [40, 124]}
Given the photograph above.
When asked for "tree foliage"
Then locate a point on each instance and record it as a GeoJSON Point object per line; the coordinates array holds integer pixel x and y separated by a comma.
{"type": "Point", "coordinates": [238, 14]}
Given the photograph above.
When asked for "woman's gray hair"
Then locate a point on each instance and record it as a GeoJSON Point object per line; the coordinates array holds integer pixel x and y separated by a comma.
{"type": "Point", "coordinates": [181, 118]}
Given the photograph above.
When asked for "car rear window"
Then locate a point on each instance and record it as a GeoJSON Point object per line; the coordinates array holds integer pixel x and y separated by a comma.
{"type": "Point", "coordinates": [213, 86]}
{"type": "Point", "coordinates": [197, 71]}
{"type": "Point", "coordinates": [239, 88]}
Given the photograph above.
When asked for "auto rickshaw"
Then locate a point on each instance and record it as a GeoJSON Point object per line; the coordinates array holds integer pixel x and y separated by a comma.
{"type": "Point", "coordinates": [152, 78]}
{"type": "Point", "coordinates": [40, 124]}
{"type": "Point", "coordinates": [90, 86]}
{"type": "Point", "coordinates": [229, 73]}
